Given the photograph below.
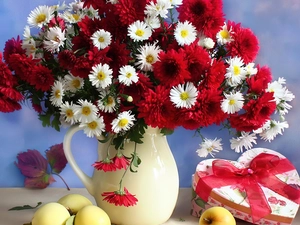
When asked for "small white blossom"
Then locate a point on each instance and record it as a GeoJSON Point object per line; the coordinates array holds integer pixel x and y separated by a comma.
{"type": "Point", "coordinates": [236, 72]}
{"type": "Point", "coordinates": [184, 95]}
{"type": "Point", "coordinates": [232, 103]}
{"type": "Point", "coordinates": [128, 75]}
{"type": "Point", "coordinates": [185, 33]}
{"type": "Point", "coordinates": [55, 38]}
{"type": "Point", "coordinates": [209, 146]}
{"type": "Point", "coordinates": [245, 140]}
{"type": "Point", "coordinates": [57, 93]}
{"type": "Point", "coordinates": [271, 129]}
{"type": "Point", "coordinates": [67, 112]}
{"type": "Point", "coordinates": [94, 127]}
{"type": "Point", "coordinates": [40, 16]}
{"type": "Point", "coordinates": [73, 83]}
{"type": "Point", "coordinates": [107, 103]}
{"type": "Point", "coordinates": [224, 35]}
{"type": "Point", "coordinates": [148, 55]}
{"type": "Point", "coordinates": [139, 31]}
{"type": "Point", "coordinates": [206, 42]}
{"type": "Point", "coordinates": [251, 70]}
{"type": "Point", "coordinates": [160, 8]}
{"type": "Point", "coordinates": [152, 22]}
{"type": "Point", "coordinates": [123, 123]}
{"type": "Point", "coordinates": [101, 75]}
{"type": "Point", "coordinates": [85, 111]}
{"type": "Point", "coordinates": [101, 39]}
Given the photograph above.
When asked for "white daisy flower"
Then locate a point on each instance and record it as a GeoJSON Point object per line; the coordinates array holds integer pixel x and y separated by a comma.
{"type": "Point", "coordinates": [94, 128]}
{"type": "Point", "coordinates": [67, 111]}
{"type": "Point", "coordinates": [148, 55]}
{"type": "Point", "coordinates": [57, 93]}
{"type": "Point", "coordinates": [127, 75]}
{"type": "Point", "coordinates": [40, 16]}
{"type": "Point", "coordinates": [107, 103]}
{"type": "Point", "coordinates": [185, 33]}
{"type": "Point", "coordinates": [236, 72]}
{"type": "Point", "coordinates": [206, 42]}
{"type": "Point", "coordinates": [251, 70]}
{"type": "Point", "coordinates": [232, 103]}
{"type": "Point", "coordinates": [244, 141]}
{"type": "Point", "coordinates": [224, 35]}
{"type": "Point", "coordinates": [71, 17]}
{"type": "Point", "coordinates": [139, 31]}
{"type": "Point", "coordinates": [101, 76]}
{"type": "Point", "coordinates": [85, 111]}
{"type": "Point", "coordinates": [101, 39]}
{"type": "Point", "coordinates": [176, 3]}
{"type": "Point", "coordinates": [152, 21]}
{"type": "Point", "coordinates": [271, 129]}
{"type": "Point", "coordinates": [209, 146]}
{"type": "Point", "coordinates": [73, 83]}
{"type": "Point", "coordinates": [55, 38]}
{"type": "Point", "coordinates": [28, 42]}
{"type": "Point", "coordinates": [123, 123]}
{"type": "Point", "coordinates": [160, 8]}
{"type": "Point", "coordinates": [184, 95]}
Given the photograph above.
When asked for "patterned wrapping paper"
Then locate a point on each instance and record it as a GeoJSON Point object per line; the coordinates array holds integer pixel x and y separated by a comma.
{"type": "Point", "coordinates": [235, 199]}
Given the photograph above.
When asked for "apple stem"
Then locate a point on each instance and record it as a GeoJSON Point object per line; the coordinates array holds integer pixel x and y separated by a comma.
{"type": "Point", "coordinates": [209, 221]}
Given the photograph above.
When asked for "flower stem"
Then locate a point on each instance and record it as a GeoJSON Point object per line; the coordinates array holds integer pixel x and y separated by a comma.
{"type": "Point", "coordinates": [68, 188]}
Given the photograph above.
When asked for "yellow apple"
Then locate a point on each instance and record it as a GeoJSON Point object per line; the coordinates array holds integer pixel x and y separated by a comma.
{"type": "Point", "coordinates": [91, 215]}
{"type": "Point", "coordinates": [74, 202]}
{"type": "Point", "coordinates": [217, 216]}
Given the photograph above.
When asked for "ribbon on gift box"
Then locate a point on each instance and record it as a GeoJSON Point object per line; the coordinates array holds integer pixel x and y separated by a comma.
{"type": "Point", "coordinates": [261, 171]}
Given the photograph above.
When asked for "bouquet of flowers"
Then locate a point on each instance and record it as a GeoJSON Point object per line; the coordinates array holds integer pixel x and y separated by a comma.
{"type": "Point", "coordinates": [118, 66]}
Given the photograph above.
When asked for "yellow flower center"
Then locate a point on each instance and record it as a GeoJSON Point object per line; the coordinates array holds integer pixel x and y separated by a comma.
{"type": "Point", "coordinates": [101, 39]}
{"type": "Point", "coordinates": [236, 70]}
{"type": "Point", "coordinates": [231, 102]}
{"type": "Point", "coordinates": [128, 75]}
{"type": "Point", "coordinates": [184, 33]}
{"type": "Point", "coordinates": [76, 83]}
{"type": "Point", "coordinates": [149, 59]}
{"type": "Point", "coordinates": [86, 111]}
{"type": "Point", "coordinates": [225, 34]}
{"type": "Point", "coordinates": [101, 75]}
{"type": "Point", "coordinates": [139, 32]}
{"type": "Point", "coordinates": [123, 122]}
{"type": "Point", "coordinates": [40, 18]}
{"type": "Point", "coordinates": [92, 125]}
{"type": "Point", "coordinates": [184, 96]}
{"type": "Point", "coordinates": [110, 100]}
{"type": "Point", "coordinates": [57, 94]}
{"type": "Point", "coordinates": [69, 113]}
{"type": "Point", "coordinates": [210, 149]}
{"type": "Point", "coordinates": [76, 17]}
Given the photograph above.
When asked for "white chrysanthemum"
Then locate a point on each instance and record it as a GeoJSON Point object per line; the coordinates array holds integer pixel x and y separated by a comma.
{"type": "Point", "coordinates": [94, 128]}
{"type": "Point", "coordinates": [71, 17]}
{"type": "Point", "coordinates": [251, 70]}
{"type": "Point", "coordinates": [206, 42]}
{"type": "Point", "coordinates": [148, 55]}
{"type": "Point", "coordinates": [85, 111]}
{"type": "Point", "coordinates": [55, 38]}
{"type": "Point", "coordinates": [57, 93]}
{"type": "Point", "coordinates": [127, 75]}
{"type": "Point", "coordinates": [73, 83]}
{"type": "Point", "coordinates": [209, 146]}
{"type": "Point", "coordinates": [184, 95]}
{"type": "Point", "coordinates": [101, 39]}
{"type": "Point", "coordinates": [123, 123]}
{"type": "Point", "coordinates": [153, 22]}
{"type": "Point", "coordinates": [101, 76]}
{"type": "Point", "coordinates": [76, 6]}
{"type": "Point", "coordinates": [176, 3]}
{"type": "Point", "coordinates": [107, 103]}
{"type": "Point", "coordinates": [160, 8]}
{"type": "Point", "coordinates": [40, 16]}
{"type": "Point", "coordinates": [185, 33]}
{"type": "Point", "coordinates": [112, 1]}
{"type": "Point", "coordinates": [236, 72]}
{"type": "Point", "coordinates": [139, 31]}
{"type": "Point", "coordinates": [271, 129]}
{"type": "Point", "coordinates": [232, 103]}
{"type": "Point", "coordinates": [67, 112]}
{"type": "Point", "coordinates": [28, 42]}
{"type": "Point", "coordinates": [224, 36]}
{"type": "Point", "coordinates": [244, 141]}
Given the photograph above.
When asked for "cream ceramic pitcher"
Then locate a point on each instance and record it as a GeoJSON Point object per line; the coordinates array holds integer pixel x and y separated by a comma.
{"type": "Point", "coordinates": [155, 185]}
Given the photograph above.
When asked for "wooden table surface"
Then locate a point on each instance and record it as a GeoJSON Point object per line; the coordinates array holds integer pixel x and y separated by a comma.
{"type": "Point", "coordinates": [10, 197]}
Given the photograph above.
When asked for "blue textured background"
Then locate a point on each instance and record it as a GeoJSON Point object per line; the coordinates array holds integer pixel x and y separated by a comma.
{"type": "Point", "coordinates": [277, 25]}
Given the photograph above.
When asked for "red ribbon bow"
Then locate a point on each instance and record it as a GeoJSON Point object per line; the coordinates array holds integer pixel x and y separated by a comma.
{"type": "Point", "coordinates": [262, 170]}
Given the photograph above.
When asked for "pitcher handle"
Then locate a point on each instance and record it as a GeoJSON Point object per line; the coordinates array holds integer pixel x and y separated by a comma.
{"type": "Point", "coordinates": [85, 179]}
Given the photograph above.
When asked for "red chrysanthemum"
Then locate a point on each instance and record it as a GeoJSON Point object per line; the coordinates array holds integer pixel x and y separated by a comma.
{"type": "Point", "coordinates": [259, 82]}
{"type": "Point", "coordinates": [82, 67]}
{"type": "Point", "coordinates": [198, 61]}
{"type": "Point", "coordinates": [57, 22]}
{"type": "Point", "coordinates": [120, 198]}
{"type": "Point", "coordinates": [105, 165]}
{"type": "Point", "coordinates": [257, 112]}
{"type": "Point", "coordinates": [206, 15]}
{"type": "Point", "coordinates": [9, 99]}
{"type": "Point", "coordinates": [214, 76]}
{"type": "Point", "coordinates": [66, 59]}
{"type": "Point", "coordinates": [157, 109]}
{"type": "Point", "coordinates": [120, 161]}
{"type": "Point", "coordinates": [245, 44]}
{"type": "Point", "coordinates": [13, 46]}
{"type": "Point", "coordinates": [172, 68]}
{"type": "Point", "coordinates": [100, 5]}
{"type": "Point", "coordinates": [97, 56]}
{"type": "Point", "coordinates": [41, 77]}
{"type": "Point", "coordinates": [130, 11]}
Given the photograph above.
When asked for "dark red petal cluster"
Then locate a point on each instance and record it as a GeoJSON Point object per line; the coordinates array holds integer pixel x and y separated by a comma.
{"type": "Point", "coordinates": [42, 78]}
{"type": "Point", "coordinates": [120, 198]}
{"type": "Point", "coordinates": [82, 67]}
{"type": "Point", "coordinates": [172, 68]}
{"type": "Point", "coordinates": [245, 44]}
{"type": "Point", "coordinates": [66, 59]}
{"type": "Point", "coordinates": [13, 46]}
{"type": "Point", "coordinates": [100, 5]}
{"type": "Point", "coordinates": [259, 82]}
{"type": "Point", "coordinates": [257, 112]}
{"type": "Point", "coordinates": [214, 77]}
{"type": "Point", "coordinates": [206, 15]}
{"type": "Point", "coordinates": [120, 161]}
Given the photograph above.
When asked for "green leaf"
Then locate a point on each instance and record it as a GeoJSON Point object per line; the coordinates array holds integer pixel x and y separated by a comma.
{"type": "Point", "coordinates": [25, 207]}
{"type": "Point", "coordinates": [70, 220]}
{"type": "Point", "coordinates": [200, 203]}
{"type": "Point", "coordinates": [166, 131]}
{"type": "Point", "coordinates": [135, 161]}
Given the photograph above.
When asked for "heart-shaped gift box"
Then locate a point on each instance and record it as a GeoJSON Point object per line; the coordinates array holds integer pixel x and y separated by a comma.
{"type": "Point", "coordinates": [261, 187]}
